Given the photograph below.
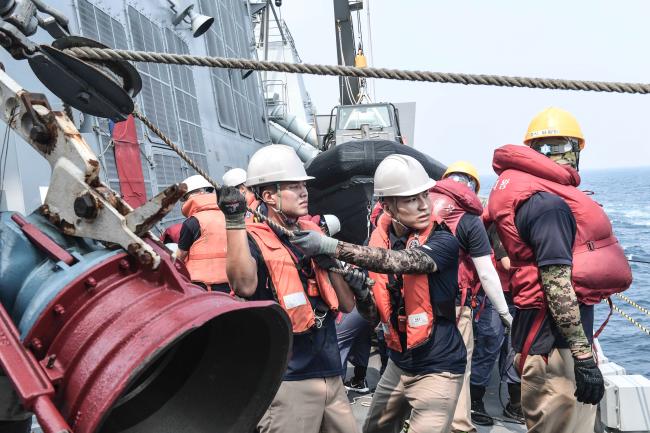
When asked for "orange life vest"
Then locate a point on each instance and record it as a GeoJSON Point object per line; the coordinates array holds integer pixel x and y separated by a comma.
{"type": "Point", "coordinates": [418, 318]}
{"type": "Point", "coordinates": [206, 261]}
{"type": "Point", "coordinates": [286, 283]}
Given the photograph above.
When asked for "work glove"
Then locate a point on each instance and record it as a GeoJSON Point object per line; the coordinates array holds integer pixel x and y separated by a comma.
{"type": "Point", "coordinates": [312, 243]}
{"type": "Point", "coordinates": [590, 385]}
{"type": "Point", "coordinates": [506, 319]}
{"type": "Point", "coordinates": [357, 282]}
{"type": "Point", "coordinates": [325, 262]}
{"type": "Point", "coordinates": [233, 205]}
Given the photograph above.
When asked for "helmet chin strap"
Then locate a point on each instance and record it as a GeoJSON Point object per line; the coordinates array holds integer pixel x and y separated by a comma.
{"type": "Point", "coordinates": [286, 220]}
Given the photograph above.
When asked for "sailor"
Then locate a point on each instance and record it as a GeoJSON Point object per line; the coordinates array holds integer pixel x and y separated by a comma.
{"type": "Point", "coordinates": [414, 263]}
{"type": "Point", "coordinates": [263, 264]}
{"type": "Point", "coordinates": [237, 177]}
{"type": "Point", "coordinates": [565, 260]}
{"type": "Point", "coordinates": [202, 242]}
{"type": "Point", "coordinates": [455, 202]}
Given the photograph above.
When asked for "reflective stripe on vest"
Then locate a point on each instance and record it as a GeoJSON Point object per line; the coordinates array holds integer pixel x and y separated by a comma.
{"type": "Point", "coordinates": [419, 314]}
{"type": "Point", "coordinates": [206, 259]}
{"type": "Point", "coordinates": [600, 267]}
{"type": "Point", "coordinates": [287, 285]}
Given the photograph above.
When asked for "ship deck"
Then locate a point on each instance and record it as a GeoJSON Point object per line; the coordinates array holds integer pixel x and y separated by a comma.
{"type": "Point", "coordinates": [360, 403]}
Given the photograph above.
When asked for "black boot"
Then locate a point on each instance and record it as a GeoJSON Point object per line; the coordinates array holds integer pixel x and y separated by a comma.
{"type": "Point", "coordinates": [479, 414]}
{"type": "Point", "coordinates": [513, 408]}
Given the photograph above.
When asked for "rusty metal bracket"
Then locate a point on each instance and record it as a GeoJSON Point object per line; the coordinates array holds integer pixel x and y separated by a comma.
{"type": "Point", "coordinates": [77, 202]}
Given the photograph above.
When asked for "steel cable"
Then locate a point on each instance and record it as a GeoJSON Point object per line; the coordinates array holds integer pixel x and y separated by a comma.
{"type": "Point", "coordinates": [631, 320]}
{"type": "Point", "coordinates": [107, 54]}
{"type": "Point", "coordinates": [632, 303]}
{"type": "Point", "coordinates": [185, 157]}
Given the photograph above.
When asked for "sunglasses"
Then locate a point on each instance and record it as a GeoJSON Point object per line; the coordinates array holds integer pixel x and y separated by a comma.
{"type": "Point", "coordinates": [463, 178]}
{"type": "Point", "coordinates": [208, 190]}
{"type": "Point", "coordinates": [547, 149]}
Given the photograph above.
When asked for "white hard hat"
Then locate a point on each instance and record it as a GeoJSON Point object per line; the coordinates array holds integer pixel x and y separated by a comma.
{"type": "Point", "coordinates": [196, 182]}
{"type": "Point", "coordinates": [275, 163]}
{"type": "Point", "coordinates": [333, 224]}
{"type": "Point", "coordinates": [401, 176]}
{"type": "Point", "coordinates": [234, 177]}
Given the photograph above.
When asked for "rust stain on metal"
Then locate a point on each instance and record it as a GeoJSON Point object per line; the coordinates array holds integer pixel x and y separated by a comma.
{"type": "Point", "coordinates": [170, 196]}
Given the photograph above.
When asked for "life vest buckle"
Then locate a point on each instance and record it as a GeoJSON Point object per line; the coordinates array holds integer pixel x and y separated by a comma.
{"type": "Point", "coordinates": [591, 246]}
{"type": "Point", "coordinates": [401, 323]}
{"type": "Point", "coordinates": [319, 319]}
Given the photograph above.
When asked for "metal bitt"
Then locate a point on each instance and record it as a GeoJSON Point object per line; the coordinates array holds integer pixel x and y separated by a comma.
{"type": "Point", "coordinates": [77, 202]}
{"type": "Point", "coordinates": [112, 346]}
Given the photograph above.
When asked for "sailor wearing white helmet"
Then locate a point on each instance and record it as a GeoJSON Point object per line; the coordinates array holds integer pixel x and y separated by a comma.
{"type": "Point", "coordinates": [263, 264]}
{"type": "Point", "coordinates": [414, 262]}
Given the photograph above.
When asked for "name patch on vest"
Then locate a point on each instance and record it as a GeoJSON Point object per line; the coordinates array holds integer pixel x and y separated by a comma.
{"type": "Point", "coordinates": [294, 300]}
{"type": "Point", "coordinates": [417, 320]}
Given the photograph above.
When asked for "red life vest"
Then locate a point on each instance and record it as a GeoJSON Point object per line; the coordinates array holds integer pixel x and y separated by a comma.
{"type": "Point", "coordinates": [286, 284]}
{"type": "Point", "coordinates": [418, 317]}
{"type": "Point", "coordinates": [600, 268]}
{"type": "Point", "coordinates": [450, 200]}
{"type": "Point", "coordinates": [206, 261]}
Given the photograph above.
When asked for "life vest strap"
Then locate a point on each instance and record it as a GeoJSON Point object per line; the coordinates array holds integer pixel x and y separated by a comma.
{"type": "Point", "coordinates": [532, 335]}
{"type": "Point", "coordinates": [212, 255]}
{"type": "Point", "coordinates": [602, 327]}
{"type": "Point", "coordinates": [595, 245]}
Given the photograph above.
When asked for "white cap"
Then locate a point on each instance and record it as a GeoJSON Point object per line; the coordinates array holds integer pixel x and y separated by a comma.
{"type": "Point", "coordinates": [196, 182]}
{"type": "Point", "coordinates": [401, 176]}
{"type": "Point", "coordinates": [275, 163]}
{"type": "Point", "coordinates": [333, 224]}
{"type": "Point", "coordinates": [234, 177]}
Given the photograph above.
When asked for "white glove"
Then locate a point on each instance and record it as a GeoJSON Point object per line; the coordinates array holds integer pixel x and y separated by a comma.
{"type": "Point", "coordinates": [492, 287]}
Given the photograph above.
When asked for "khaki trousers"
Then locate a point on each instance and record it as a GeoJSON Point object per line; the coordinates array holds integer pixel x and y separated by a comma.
{"type": "Point", "coordinates": [463, 415]}
{"type": "Point", "coordinates": [309, 406]}
{"type": "Point", "coordinates": [547, 395]}
{"type": "Point", "coordinates": [430, 399]}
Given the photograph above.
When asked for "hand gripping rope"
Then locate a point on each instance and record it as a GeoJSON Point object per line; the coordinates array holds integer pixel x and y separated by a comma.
{"type": "Point", "coordinates": [185, 157]}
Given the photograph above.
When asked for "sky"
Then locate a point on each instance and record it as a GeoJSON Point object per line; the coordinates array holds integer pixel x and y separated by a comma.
{"type": "Point", "coordinates": [586, 40]}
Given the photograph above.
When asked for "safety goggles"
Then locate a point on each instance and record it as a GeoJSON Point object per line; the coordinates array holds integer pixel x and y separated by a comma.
{"type": "Point", "coordinates": [463, 178]}
{"type": "Point", "coordinates": [548, 149]}
{"type": "Point", "coordinates": [208, 190]}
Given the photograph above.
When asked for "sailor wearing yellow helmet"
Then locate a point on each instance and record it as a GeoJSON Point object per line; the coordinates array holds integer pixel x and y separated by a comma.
{"type": "Point", "coordinates": [455, 202]}
{"type": "Point", "coordinates": [566, 259]}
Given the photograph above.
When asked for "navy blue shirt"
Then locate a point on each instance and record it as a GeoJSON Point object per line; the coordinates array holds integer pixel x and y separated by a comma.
{"type": "Point", "coordinates": [315, 353]}
{"type": "Point", "coordinates": [545, 223]}
{"type": "Point", "coordinates": [445, 350]}
{"type": "Point", "coordinates": [472, 236]}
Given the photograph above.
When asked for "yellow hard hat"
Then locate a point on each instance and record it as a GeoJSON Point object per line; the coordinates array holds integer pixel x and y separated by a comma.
{"type": "Point", "coordinates": [554, 122]}
{"type": "Point", "coordinates": [464, 167]}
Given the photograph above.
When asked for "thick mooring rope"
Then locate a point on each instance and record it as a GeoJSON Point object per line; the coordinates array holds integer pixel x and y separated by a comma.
{"type": "Point", "coordinates": [108, 54]}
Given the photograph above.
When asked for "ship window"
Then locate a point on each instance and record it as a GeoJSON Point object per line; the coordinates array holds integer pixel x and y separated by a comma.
{"type": "Point", "coordinates": [158, 102]}
{"type": "Point", "coordinates": [186, 103]}
{"type": "Point", "coordinates": [355, 116]}
{"type": "Point", "coordinates": [220, 78]}
{"type": "Point", "coordinates": [169, 171]}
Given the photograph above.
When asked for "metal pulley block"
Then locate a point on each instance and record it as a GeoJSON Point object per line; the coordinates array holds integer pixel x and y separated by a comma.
{"type": "Point", "coordinates": [102, 89]}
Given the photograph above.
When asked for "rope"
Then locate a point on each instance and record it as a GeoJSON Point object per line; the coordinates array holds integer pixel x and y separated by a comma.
{"type": "Point", "coordinates": [105, 54]}
{"type": "Point", "coordinates": [185, 157]}
{"type": "Point", "coordinates": [631, 320]}
{"type": "Point", "coordinates": [634, 304]}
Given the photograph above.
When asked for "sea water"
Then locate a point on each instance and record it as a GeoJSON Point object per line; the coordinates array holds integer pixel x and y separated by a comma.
{"type": "Point", "coordinates": [625, 196]}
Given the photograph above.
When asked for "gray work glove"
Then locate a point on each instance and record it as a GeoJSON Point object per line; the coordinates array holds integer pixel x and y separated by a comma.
{"type": "Point", "coordinates": [313, 243]}
{"type": "Point", "coordinates": [233, 205]}
{"type": "Point", "coordinates": [357, 282]}
{"type": "Point", "coordinates": [590, 385]}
